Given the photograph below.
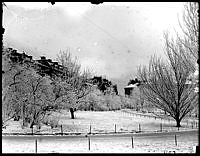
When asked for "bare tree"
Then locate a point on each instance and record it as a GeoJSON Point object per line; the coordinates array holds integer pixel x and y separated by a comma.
{"type": "Point", "coordinates": [76, 83]}
{"type": "Point", "coordinates": [190, 37]}
{"type": "Point", "coordinates": [168, 85]}
{"type": "Point", "coordinates": [165, 86]}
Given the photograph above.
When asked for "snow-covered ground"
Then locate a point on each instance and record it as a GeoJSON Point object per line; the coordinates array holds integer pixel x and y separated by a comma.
{"type": "Point", "coordinates": [102, 144]}
{"type": "Point", "coordinates": [104, 122]}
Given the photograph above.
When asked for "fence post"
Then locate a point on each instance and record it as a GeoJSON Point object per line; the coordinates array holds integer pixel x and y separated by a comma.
{"type": "Point", "coordinates": [61, 130]}
{"type": "Point", "coordinates": [139, 128]}
{"type": "Point", "coordinates": [132, 142]}
{"type": "Point", "coordinates": [90, 129]}
{"type": "Point", "coordinates": [36, 146]}
{"type": "Point", "coordinates": [161, 127]}
{"type": "Point", "coordinates": [175, 140]}
{"type": "Point", "coordinates": [115, 128]}
{"type": "Point", "coordinates": [32, 129]}
{"type": "Point", "coordinates": [89, 143]}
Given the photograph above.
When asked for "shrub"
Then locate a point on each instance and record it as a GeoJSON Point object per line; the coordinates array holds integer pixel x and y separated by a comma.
{"type": "Point", "coordinates": [51, 120]}
{"type": "Point", "coordinates": [54, 123]}
{"type": "Point", "coordinates": [46, 120]}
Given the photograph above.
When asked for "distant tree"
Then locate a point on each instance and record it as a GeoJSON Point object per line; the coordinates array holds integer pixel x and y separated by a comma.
{"type": "Point", "coordinates": [95, 101]}
{"type": "Point", "coordinates": [112, 102]}
{"type": "Point", "coordinates": [115, 89]}
{"type": "Point", "coordinates": [103, 84]}
{"type": "Point", "coordinates": [128, 102]}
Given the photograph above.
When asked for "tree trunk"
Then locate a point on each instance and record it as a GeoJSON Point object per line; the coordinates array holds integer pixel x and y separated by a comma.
{"type": "Point", "coordinates": [178, 123]}
{"type": "Point", "coordinates": [32, 123]}
{"type": "Point", "coordinates": [16, 117]}
{"type": "Point", "coordinates": [72, 113]}
{"type": "Point", "coordinates": [22, 114]}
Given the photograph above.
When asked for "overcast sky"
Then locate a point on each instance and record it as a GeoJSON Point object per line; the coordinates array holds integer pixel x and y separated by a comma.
{"type": "Point", "coordinates": [112, 39]}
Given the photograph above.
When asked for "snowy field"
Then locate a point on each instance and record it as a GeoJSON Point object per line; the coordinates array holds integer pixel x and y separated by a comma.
{"type": "Point", "coordinates": [105, 122]}
{"type": "Point", "coordinates": [102, 144]}
{"type": "Point", "coordinates": [108, 123]}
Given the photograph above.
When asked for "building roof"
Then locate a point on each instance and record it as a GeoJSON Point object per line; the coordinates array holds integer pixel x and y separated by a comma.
{"type": "Point", "coordinates": [132, 85]}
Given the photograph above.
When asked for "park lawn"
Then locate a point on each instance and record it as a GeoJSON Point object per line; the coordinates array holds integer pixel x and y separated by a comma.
{"type": "Point", "coordinates": [100, 122]}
